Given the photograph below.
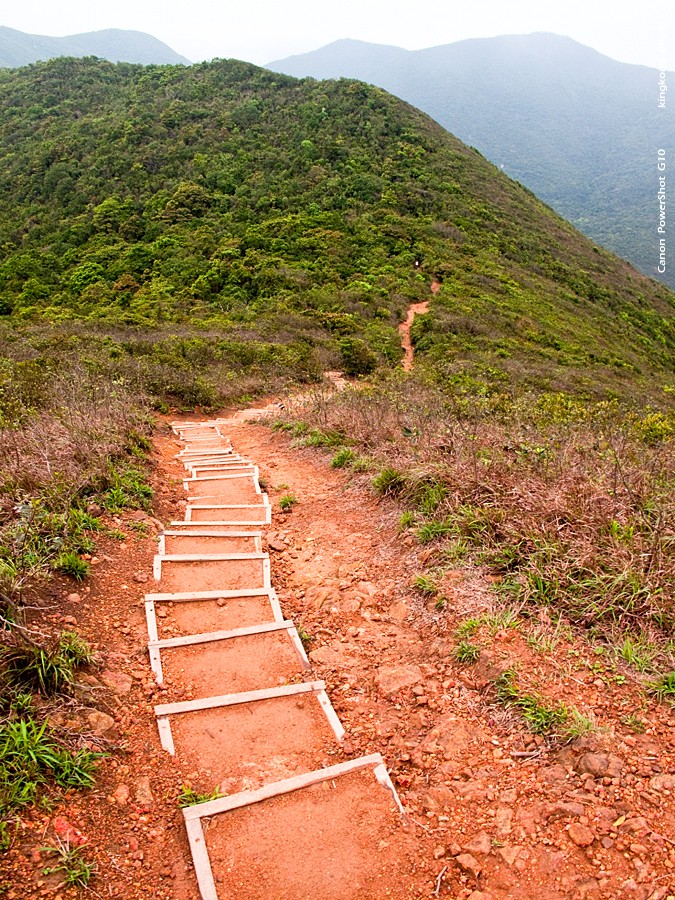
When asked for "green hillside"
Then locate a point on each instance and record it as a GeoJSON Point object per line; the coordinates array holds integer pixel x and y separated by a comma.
{"type": "Point", "coordinates": [577, 128]}
{"type": "Point", "coordinates": [185, 225]}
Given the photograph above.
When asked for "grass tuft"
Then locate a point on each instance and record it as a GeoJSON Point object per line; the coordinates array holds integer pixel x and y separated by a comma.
{"type": "Point", "coordinates": [663, 688]}
{"type": "Point", "coordinates": [343, 458]}
{"type": "Point", "coordinates": [71, 564]}
{"type": "Point", "coordinates": [71, 865]}
{"type": "Point", "coordinates": [465, 652]}
{"type": "Point", "coordinates": [189, 797]}
{"type": "Point", "coordinates": [389, 482]}
{"type": "Point", "coordinates": [540, 716]}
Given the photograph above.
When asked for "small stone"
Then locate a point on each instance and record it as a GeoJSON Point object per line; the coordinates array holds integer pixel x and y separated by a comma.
{"type": "Point", "coordinates": [74, 598]}
{"type": "Point", "coordinates": [119, 682]}
{"type": "Point", "coordinates": [144, 795]}
{"type": "Point", "coordinates": [580, 835]}
{"type": "Point", "coordinates": [318, 596]}
{"type": "Point", "coordinates": [439, 852]}
{"type": "Point", "coordinates": [481, 844]}
{"type": "Point", "coordinates": [326, 656]}
{"type": "Point", "coordinates": [350, 605]}
{"type": "Point", "coordinates": [399, 612]}
{"type": "Point", "coordinates": [438, 799]}
{"type": "Point", "coordinates": [67, 832]}
{"type": "Point", "coordinates": [99, 722]}
{"type": "Point", "coordinates": [221, 601]}
{"type": "Point", "coordinates": [503, 819]}
{"type": "Point", "coordinates": [553, 774]}
{"type": "Point", "coordinates": [600, 765]}
{"type": "Point", "coordinates": [509, 854]}
{"type": "Point", "coordinates": [393, 679]}
{"type": "Point", "coordinates": [275, 543]}
{"type": "Point", "coordinates": [637, 826]}
{"type": "Point", "coordinates": [69, 620]}
{"type": "Point", "coordinates": [662, 783]}
{"type": "Point", "coordinates": [141, 577]}
{"type": "Point", "coordinates": [563, 811]}
{"type": "Point", "coordinates": [469, 864]}
{"type": "Point", "coordinates": [121, 795]}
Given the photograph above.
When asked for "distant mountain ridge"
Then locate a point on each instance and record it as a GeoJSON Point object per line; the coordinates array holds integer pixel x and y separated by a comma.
{"type": "Point", "coordinates": [579, 129]}
{"type": "Point", "coordinates": [114, 44]}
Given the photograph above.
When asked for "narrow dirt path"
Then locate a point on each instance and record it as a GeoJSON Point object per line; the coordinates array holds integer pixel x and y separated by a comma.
{"type": "Point", "coordinates": [415, 309]}
{"type": "Point", "coordinates": [300, 814]}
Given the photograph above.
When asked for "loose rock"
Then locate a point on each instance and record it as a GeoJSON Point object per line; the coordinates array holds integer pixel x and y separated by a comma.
{"type": "Point", "coordinates": [392, 679]}
{"type": "Point", "coordinates": [581, 835]}
{"type": "Point", "coordinates": [119, 682]}
{"type": "Point", "coordinates": [481, 844]}
{"type": "Point", "coordinates": [99, 722]}
{"type": "Point", "coordinates": [469, 864]}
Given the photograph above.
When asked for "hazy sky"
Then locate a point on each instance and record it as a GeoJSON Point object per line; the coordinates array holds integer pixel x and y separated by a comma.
{"type": "Point", "coordinates": [263, 30]}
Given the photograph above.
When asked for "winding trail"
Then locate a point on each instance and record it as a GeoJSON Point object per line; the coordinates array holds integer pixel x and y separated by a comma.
{"type": "Point", "coordinates": [415, 309]}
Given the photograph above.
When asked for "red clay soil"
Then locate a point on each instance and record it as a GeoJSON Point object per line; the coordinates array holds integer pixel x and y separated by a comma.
{"type": "Point", "coordinates": [415, 309]}
{"type": "Point", "coordinates": [495, 813]}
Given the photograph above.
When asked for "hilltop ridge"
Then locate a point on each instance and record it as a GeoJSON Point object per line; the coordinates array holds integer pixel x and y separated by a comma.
{"type": "Point", "coordinates": [114, 44]}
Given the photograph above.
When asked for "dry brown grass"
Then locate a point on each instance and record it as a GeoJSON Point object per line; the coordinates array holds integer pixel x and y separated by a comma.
{"type": "Point", "coordinates": [570, 506]}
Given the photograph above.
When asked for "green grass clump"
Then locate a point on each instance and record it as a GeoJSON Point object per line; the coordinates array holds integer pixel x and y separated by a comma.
{"type": "Point", "coordinates": [663, 688]}
{"type": "Point", "coordinates": [46, 670]}
{"type": "Point", "coordinates": [466, 652]}
{"type": "Point", "coordinates": [71, 865]}
{"type": "Point", "coordinates": [127, 489]}
{"type": "Point", "coordinates": [541, 717]}
{"type": "Point", "coordinates": [36, 668]}
{"type": "Point", "coordinates": [189, 797]}
{"type": "Point", "coordinates": [432, 530]}
{"type": "Point", "coordinates": [71, 564]}
{"type": "Point", "coordinates": [426, 585]}
{"type": "Point", "coordinates": [75, 650]}
{"type": "Point", "coordinates": [343, 458]}
{"type": "Point", "coordinates": [287, 502]}
{"type": "Point", "coordinates": [406, 521]}
{"type": "Point", "coordinates": [30, 758]}
{"type": "Point", "coordinates": [389, 482]}
{"type": "Point", "coordinates": [638, 653]}
{"type": "Point", "coordinates": [317, 438]}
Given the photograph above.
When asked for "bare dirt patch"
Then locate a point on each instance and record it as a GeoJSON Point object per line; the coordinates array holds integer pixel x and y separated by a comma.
{"type": "Point", "coordinates": [200, 616]}
{"type": "Point", "coordinates": [242, 747]}
{"type": "Point", "coordinates": [232, 666]}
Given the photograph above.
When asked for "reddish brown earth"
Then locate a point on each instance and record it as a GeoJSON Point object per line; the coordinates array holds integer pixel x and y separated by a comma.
{"type": "Point", "coordinates": [415, 309]}
{"type": "Point", "coordinates": [494, 812]}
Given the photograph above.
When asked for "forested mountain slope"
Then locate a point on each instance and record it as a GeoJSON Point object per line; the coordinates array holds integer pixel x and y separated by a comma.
{"type": "Point", "coordinates": [239, 214]}
{"type": "Point", "coordinates": [114, 44]}
{"type": "Point", "coordinates": [579, 129]}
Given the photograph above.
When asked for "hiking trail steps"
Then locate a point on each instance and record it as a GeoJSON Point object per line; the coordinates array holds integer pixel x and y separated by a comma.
{"type": "Point", "coordinates": [214, 557]}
